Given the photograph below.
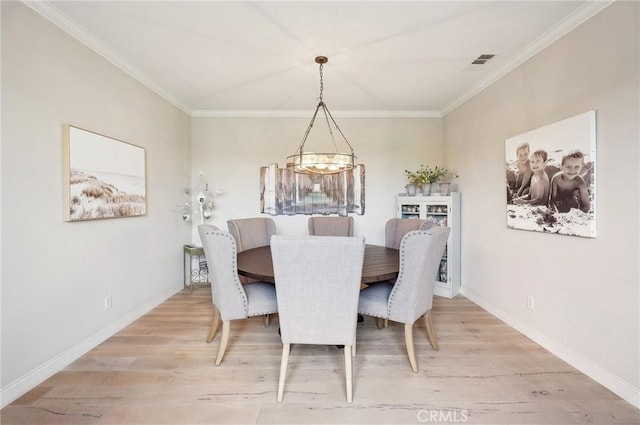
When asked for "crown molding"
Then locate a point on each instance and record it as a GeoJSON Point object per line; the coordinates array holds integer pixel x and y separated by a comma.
{"type": "Point", "coordinates": [309, 113]}
{"type": "Point", "coordinates": [74, 29]}
{"type": "Point", "coordinates": [582, 15]}
{"type": "Point", "coordinates": [48, 11]}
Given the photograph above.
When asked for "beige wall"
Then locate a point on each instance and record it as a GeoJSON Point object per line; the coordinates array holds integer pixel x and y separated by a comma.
{"type": "Point", "coordinates": [55, 275]}
{"type": "Point", "coordinates": [230, 151]}
{"type": "Point", "coordinates": [586, 290]}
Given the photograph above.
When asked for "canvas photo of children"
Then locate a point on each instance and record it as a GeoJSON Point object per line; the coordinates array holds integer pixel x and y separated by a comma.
{"type": "Point", "coordinates": [550, 178]}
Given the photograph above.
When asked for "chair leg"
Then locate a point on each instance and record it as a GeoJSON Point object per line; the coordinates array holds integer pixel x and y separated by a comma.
{"type": "Point", "coordinates": [353, 347]}
{"type": "Point", "coordinates": [214, 325]}
{"type": "Point", "coordinates": [223, 342]}
{"type": "Point", "coordinates": [283, 370]}
{"type": "Point", "coordinates": [267, 320]}
{"type": "Point", "coordinates": [431, 332]}
{"type": "Point", "coordinates": [408, 340]}
{"type": "Point", "coordinates": [348, 373]}
{"type": "Point", "coordinates": [382, 323]}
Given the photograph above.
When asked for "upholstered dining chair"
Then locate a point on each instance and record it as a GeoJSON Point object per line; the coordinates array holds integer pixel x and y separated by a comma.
{"type": "Point", "coordinates": [331, 226]}
{"type": "Point", "coordinates": [317, 285]}
{"type": "Point", "coordinates": [252, 233]}
{"type": "Point", "coordinates": [411, 296]}
{"type": "Point", "coordinates": [232, 300]}
{"type": "Point", "coordinates": [394, 231]}
{"type": "Point", "coordinates": [396, 228]}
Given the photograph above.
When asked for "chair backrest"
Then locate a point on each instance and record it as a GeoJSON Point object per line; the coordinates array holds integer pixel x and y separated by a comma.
{"type": "Point", "coordinates": [317, 286]}
{"type": "Point", "coordinates": [227, 292]}
{"type": "Point", "coordinates": [420, 255]}
{"type": "Point", "coordinates": [331, 226]}
{"type": "Point", "coordinates": [396, 228]}
{"type": "Point", "coordinates": [252, 232]}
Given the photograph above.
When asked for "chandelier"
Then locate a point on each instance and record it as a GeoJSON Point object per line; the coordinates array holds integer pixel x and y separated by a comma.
{"type": "Point", "coordinates": [329, 162]}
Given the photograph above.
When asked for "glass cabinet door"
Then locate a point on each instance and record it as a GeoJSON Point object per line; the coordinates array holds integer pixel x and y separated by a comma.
{"type": "Point", "coordinates": [410, 211]}
{"type": "Point", "coordinates": [438, 214]}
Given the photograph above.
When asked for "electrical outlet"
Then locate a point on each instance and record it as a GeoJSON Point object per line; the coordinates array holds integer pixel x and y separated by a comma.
{"type": "Point", "coordinates": [531, 303]}
{"type": "Point", "coordinates": [107, 302]}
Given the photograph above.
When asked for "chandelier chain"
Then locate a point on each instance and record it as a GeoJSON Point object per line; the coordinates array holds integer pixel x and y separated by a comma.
{"type": "Point", "coordinates": [327, 162]}
{"type": "Point", "coordinates": [321, 82]}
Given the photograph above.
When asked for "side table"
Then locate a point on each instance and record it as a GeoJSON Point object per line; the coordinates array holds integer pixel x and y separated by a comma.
{"type": "Point", "coordinates": [196, 272]}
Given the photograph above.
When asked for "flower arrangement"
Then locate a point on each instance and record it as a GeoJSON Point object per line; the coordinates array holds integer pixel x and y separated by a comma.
{"type": "Point", "coordinates": [440, 174]}
{"type": "Point", "coordinates": [418, 177]}
{"type": "Point", "coordinates": [426, 174]}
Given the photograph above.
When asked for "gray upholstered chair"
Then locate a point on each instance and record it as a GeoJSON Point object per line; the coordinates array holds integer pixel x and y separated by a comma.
{"type": "Point", "coordinates": [394, 231]}
{"type": "Point", "coordinates": [317, 285]}
{"type": "Point", "coordinates": [331, 226]}
{"type": "Point", "coordinates": [232, 300]}
{"type": "Point", "coordinates": [396, 228]}
{"type": "Point", "coordinates": [411, 296]}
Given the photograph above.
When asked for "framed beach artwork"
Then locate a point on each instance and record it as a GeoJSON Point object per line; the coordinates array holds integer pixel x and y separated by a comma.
{"type": "Point", "coordinates": [103, 177]}
{"type": "Point", "coordinates": [551, 180]}
{"type": "Point", "coordinates": [283, 192]}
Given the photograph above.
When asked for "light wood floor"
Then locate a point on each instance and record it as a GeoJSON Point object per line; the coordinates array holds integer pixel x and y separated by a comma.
{"type": "Point", "coordinates": [159, 370]}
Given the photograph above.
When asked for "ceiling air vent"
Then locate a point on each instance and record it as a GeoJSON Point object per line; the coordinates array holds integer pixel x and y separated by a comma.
{"type": "Point", "coordinates": [479, 61]}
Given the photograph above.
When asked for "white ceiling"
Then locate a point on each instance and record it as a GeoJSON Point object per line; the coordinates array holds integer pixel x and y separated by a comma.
{"type": "Point", "coordinates": [251, 57]}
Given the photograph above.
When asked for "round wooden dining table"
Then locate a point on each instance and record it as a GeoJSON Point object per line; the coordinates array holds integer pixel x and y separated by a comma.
{"type": "Point", "coordinates": [380, 264]}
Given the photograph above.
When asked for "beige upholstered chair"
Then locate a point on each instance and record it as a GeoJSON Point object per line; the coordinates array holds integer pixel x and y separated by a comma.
{"type": "Point", "coordinates": [232, 300]}
{"type": "Point", "coordinates": [252, 233]}
{"type": "Point", "coordinates": [396, 228]}
{"type": "Point", "coordinates": [331, 226]}
{"type": "Point", "coordinates": [411, 296]}
{"type": "Point", "coordinates": [317, 285]}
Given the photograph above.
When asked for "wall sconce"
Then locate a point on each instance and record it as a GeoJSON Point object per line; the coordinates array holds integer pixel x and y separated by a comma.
{"type": "Point", "coordinates": [185, 207]}
{"type": "Point", "coordinates": [204, 201]}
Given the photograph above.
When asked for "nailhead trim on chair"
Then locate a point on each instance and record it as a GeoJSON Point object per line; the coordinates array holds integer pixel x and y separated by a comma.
{"type": "Point", "coordinates": [402, 260]}
{"type": "Point", "coordinates": [234, 264]}
{"type": "Point", "coordinates": [235, 267]}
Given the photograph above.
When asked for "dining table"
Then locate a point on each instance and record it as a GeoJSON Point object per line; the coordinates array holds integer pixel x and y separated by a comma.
{"type": "Point", "coordinates": [380, 264]}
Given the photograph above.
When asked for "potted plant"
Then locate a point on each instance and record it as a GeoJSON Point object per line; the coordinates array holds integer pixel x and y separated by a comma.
{"type": "Point", "coordinates": [426, 177]}
{"type": "Point", "coordinates": [443, 176]}
{"type": "Point", "coordinates": [431, 176]}
{"type": "Point", "coordinates": [416, 179]}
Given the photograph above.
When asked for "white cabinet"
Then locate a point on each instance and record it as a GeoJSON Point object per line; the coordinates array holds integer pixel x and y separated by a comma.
{"type": "Point", "coordinates": [443, 211]}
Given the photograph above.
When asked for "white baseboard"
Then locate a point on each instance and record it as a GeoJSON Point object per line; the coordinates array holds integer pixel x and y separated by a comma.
{"type": "Point", "coordinates": [621, 387]}
{"type": "Point", "coordinates": [36, 376]}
